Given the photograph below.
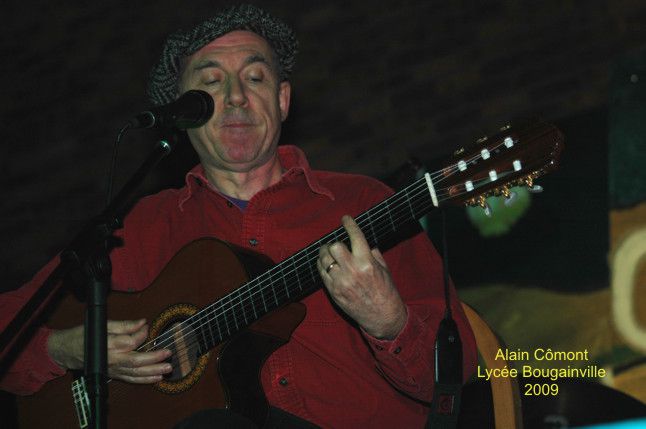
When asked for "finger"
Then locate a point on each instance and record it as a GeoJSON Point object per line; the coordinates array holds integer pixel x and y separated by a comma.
{"type": "Point", "coordinates": [127, 342]}
{"type": "Point", "coordinates": [143, 371]}
{"type": "Point", "coordinates": [142, 368]}
{"type": "Point", "coordinates": [138, 380]}
{"type": "Point", "coordinates": [358, 241]}
{"type": "Point", "coordinates": [323, 269]}
{"type": "Point", "coordinates": [341, 255]}
{"type": "Point", "coordinates": [379, 257]}
{"type": "Point", "coordinates": [325, 257]}
{"type": "Point", "coordinates": [145, 375]}
{"type": "Point", "coordinates": [137, 359]}
{"type": "Point", "coordinates": [125, 326]}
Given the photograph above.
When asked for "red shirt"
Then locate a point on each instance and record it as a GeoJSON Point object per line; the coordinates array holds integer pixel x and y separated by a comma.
{"type": "Point", "coordinates": [330, 373]}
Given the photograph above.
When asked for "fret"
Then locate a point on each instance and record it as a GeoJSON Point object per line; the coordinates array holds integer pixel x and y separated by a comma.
{"type": "Point", "coordinates": [261, 290]}
{"type": "Point", "coordinates": [374, 236]}
{"type": "Point", "coordinates": [390, 216]}
{"type": "Point", "coordinates": [311, 262]}
{"type": "Point", "coordinates": [232, 311]}
{"type": "Point", "coordinates": [286, 288]}
{"type": "Point", "coordinates": [423, 199]}
{"type": "Point", "coordinates": [282, 274]}
{"type": "Point", "coordinates": [252, 301]}
{"type": "Point", "coordinates": [208, 325]}
{"type": "Point", "coordinates": [215, 320]}
{"type": "Point", "coordinates": [244, 313]}
{"type": "Point", "coordinates": [398, 211]}
{"type": "Point", "coordinates": [410, 206]}
{"type": "Point", "coordinates": [273, 290]}
{"type": "Point", "coordinates": [193, 333]}
{"type": "Point", "coordinates": [205, 341]}
{"type": "Point", "coordinates": [335, 233]}
{"type": "Point", "coordinates": [224, 316]}
{"type": "Point", "coordinates": [298, 279]}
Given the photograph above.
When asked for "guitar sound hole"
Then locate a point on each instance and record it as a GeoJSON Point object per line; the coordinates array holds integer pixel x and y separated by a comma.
{"type": "Point", "coordinates": [182, 342]}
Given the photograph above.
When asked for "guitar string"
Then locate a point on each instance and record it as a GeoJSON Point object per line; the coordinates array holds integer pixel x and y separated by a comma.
{"type": "Point", "coordinates": [444, 173]}
{"type": "Point", "coordinates": [305, 254]}
{"type": "Point", "coordinates": [242, 306]}
{"type": "Point", "coordinates": [177, 361]}
{"type": "Point", "coordinates": [241, 302]}
{"type": "Point", "coordinates": [293, 273]}
{"type": "Point", "coordinates": [423, 210]}
{"type": "Point", "coordinates": [189, 323]}
{"type": "Point", "coordinates": [296, 259]}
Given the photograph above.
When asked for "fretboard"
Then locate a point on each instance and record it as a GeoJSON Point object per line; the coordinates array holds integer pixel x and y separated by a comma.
{"type": "Point", "coordinates": [297, 276]}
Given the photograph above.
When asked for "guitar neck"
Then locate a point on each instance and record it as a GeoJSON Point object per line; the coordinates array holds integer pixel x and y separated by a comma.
{"type": "Point", "coordinates": [297, 276]}
{"type": "Point", "coordinates": [513, 157]}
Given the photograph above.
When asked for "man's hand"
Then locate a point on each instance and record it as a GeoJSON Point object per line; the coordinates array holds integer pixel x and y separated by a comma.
{"type": "Point", "coordinates": [124, 363]}
{"type": "Point", "coordinates": [360, 283]}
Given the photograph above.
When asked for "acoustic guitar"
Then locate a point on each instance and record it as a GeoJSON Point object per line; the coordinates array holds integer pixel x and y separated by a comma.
{"type": "Point", "coordinates": [230, 313]}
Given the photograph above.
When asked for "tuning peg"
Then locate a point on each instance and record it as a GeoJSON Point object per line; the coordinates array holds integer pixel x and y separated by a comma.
{"type": "Point", "coordinates": [510, 198]}
{"type": "Point", "coordinates": [482, 202]}
{"type": "Point", "coordinates": [531, 187]}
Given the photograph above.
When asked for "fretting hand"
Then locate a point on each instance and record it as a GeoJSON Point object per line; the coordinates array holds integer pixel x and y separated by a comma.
{"type": "Point", "coordinates": [360, 283]}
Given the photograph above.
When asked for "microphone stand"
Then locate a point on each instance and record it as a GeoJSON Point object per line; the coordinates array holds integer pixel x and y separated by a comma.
{"type": "Point", "coordinates": [86, 262]}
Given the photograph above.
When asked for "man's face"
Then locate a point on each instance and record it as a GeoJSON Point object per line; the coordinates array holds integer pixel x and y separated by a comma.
{"type": "Point", "coordinates": [239, 71]}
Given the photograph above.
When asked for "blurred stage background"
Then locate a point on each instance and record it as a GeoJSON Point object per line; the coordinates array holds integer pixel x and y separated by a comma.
{"type": "Point", "coordinates": [375, 84]}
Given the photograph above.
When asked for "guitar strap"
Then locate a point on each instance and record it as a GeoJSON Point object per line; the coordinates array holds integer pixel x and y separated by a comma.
{"type": "Point", "coordinates": [445, 406]}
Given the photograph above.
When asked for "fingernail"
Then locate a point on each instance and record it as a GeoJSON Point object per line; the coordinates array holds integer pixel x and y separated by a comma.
{"type": "Point", "coordinates": [168, 368]}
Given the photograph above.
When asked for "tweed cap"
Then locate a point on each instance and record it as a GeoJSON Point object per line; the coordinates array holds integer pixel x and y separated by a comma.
{"type": "Point", "coordinates": [162, 84]}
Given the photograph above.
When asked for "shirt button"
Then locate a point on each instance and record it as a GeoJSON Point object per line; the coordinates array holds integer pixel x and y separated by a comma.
{"type": "Point", "coordinates": [253, 242]}
{"type": "Point", "coordinates": [379, 347]}
{"type": "Point", "coordinates": [283, 381]}
{"type": "Point", "coordinates": [229, 203]}
{"type": "Point", "coordinates": [397, 350]}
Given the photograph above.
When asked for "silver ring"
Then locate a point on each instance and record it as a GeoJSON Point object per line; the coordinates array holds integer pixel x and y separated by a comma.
{"type": "Point", "coordinates": [329, 267]}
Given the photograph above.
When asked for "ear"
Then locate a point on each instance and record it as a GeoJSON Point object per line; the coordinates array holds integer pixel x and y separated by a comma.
{"type": "Point", "coordinates": [284, 95]}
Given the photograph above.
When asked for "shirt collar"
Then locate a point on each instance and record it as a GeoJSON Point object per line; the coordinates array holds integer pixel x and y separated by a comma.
{"type": "Point", "coordinates": [291, 158]}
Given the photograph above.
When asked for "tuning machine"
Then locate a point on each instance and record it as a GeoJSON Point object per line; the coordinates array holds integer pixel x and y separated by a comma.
{"type": "Point", "coordinates": [510, 196]}
{"type": "Point", "coordinates": [531, 186]}
{"type": "Point", "coordinates": [482, 202]}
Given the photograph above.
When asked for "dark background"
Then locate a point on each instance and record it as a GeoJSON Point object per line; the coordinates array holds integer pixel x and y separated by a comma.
{"type": "Point", "coordinates": [375, 84]}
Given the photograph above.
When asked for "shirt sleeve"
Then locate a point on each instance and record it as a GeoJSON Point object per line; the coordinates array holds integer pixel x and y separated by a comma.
{"type": "Point", "coordinates": [133, 268]}
{"type": "Point", "coordinates": [32, 366]}
{"type": "Point", "coordinates": [407, 360]}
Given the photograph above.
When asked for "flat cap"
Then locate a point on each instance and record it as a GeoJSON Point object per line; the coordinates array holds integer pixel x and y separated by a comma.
{"type": "Point", "coordinates": [162, 84]}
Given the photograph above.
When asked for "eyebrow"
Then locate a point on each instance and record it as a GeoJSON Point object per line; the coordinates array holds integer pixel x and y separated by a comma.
{"type": "Point", "coordinates": [255, 58]}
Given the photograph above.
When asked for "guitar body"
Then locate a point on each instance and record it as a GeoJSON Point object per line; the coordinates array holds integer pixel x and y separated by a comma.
{"type": "Point", "coordinates": [259, 316]}
{"type": "Point", "coordinates": [227, 377]}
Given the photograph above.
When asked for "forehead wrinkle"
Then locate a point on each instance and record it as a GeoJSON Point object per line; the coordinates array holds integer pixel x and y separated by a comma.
{"type": "Point", "coordinates": [206, 64]}
{"type": "Point", "coordinates": [211, 63]}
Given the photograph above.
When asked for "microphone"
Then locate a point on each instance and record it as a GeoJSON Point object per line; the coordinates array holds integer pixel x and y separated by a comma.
{"type": "Point", "coordinates": [193, 109]}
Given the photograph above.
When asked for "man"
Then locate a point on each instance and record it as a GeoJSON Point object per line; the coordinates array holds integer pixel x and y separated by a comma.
{"type": "Point", "coordinates": [363, 354]}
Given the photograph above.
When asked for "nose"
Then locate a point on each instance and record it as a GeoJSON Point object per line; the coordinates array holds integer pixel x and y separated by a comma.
{"type": "Point", "coordinates": [235, 94]}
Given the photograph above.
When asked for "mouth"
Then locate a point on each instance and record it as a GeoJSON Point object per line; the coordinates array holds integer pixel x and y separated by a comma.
{"type": "Point", "coordinates": [237, 125]}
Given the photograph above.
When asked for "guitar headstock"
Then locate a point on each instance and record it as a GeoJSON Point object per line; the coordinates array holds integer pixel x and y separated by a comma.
{"type": "Point", "coordinates": [515, 156]}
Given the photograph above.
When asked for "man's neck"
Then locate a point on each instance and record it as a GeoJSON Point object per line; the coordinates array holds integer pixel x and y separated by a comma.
{"type": "Point", "coordinates": [244, 185]}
